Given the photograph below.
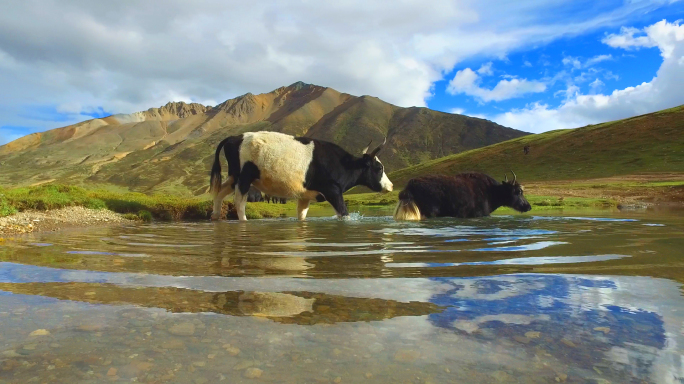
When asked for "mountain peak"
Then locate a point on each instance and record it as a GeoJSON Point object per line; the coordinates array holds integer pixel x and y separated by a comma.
{"type": "Point", "coordinates": [300, 85]}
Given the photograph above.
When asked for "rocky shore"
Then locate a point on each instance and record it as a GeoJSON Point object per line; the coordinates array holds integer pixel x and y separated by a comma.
{"type": "Point", "coordinates": [69, 217]}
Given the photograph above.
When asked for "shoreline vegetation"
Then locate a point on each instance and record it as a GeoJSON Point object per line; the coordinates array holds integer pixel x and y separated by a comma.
{"type": "Point", "coordinates": [49, 206]}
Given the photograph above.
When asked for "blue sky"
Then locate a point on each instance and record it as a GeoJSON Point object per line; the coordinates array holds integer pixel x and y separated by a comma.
{"type": "Point", "coordinates": [533, 65]}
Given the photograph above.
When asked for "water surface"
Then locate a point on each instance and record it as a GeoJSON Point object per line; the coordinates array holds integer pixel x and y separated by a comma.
{"type": "Point", "coordinates": [574, 297]}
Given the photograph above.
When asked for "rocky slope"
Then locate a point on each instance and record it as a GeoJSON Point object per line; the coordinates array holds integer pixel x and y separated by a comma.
{"type": "Point", "coordinates": [170, 149]}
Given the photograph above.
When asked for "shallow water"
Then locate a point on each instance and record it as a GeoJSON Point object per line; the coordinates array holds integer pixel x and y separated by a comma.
{"type": "Point", "coordinates": [573, 297]}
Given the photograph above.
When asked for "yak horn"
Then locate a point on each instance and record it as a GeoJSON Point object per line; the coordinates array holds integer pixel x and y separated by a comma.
{"type": "Point", "coordinates": [376, 150]}
{"type": "Point", "coordinates": [505, 178]}
{"type": "Point", "coordinates": [514, 176]}
{"type": "Point", "coordinates": [365, 150]}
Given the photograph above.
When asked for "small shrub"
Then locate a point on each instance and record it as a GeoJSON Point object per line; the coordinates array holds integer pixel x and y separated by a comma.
{"type": "Point", "coordinates": [145, 216]}
{"type": "Point", "coordinates": [6, 208]}
{"type": "Point", "coordinates": [95, 204]}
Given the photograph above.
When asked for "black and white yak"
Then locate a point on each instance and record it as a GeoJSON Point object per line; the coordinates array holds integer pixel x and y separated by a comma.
{"type": "Point", "coordinates": [291, 167]}
{"type": "Point", "coordinates": [464, 195]}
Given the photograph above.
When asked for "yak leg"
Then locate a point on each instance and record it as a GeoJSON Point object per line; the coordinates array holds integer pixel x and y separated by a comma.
{"type": "Point", "coordinates": [225, 190]}
{"type": "Point", "coordinates": [302, 208]}
{"type": "Point", "coordinates": [248, 174]}
{"type": "Point", "coordinates": [337, 202]}
{"type": "Point", "coordinates": [240, 204]}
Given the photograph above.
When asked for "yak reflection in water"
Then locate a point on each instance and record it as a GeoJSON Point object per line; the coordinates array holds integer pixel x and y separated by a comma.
{"type": "Point", "coordinates": [284, 307]}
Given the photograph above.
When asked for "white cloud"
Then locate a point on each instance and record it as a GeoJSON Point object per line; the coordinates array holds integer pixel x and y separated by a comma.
{"type": "Point", "coordinates": [458, 111]}
{"type": "Point", "coordinates": [663, 91]}
{"type": "Point", "coordinates": [662, 34]}
{"type": "Point", "coordinates": [596, 85]}
{"type": "Point", "coordinates": [572, 62]}
{"type": "Point", "coordinates": [576, 63]}
{"type": "Point", "coordinates": [626, 40]}
{"type": "Point", "coordinates": [527, 64]}
{"type": "Point", "coordinates": [486, 69]}
{"type": "Point", "coordinates": [597, 59]}
{"type": "Point", "coordinates": [466, 81]}
{"type": "Point", "coordinates": [133, 55]}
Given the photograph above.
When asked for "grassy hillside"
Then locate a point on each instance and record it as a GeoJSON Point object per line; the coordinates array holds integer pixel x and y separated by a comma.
{"type": "Point", "coordinates": [170, 149]}
{"type": "Point", "coordinates": [652, 143]}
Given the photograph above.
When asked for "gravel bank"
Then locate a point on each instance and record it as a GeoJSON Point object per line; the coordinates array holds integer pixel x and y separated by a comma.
{"type": "Point", "coordinates": [70, 217]}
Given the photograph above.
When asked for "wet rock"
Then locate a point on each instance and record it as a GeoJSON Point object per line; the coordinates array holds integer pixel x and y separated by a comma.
{"type": "Point", "coordinates": [605, 330]}
{"type": "Point", "coordinates": [502, 377]}
{"type": "Point", "coordinates": [40, 332]}
{"type": "Point", "coordinates": [244, 364]}
{"type": "Point", "coordinates": [252, 373]}
{"type": "Point", "coordinates": [10, 353]}
{"type": "Point", "coordinates": [568, 343]}
{"type": "Point", "coordinates": [199, 363]}
{"type": "Point", "coordinates": [112, 371]}
{"type": "Point", "coordinates": [233, 351]}
{"type": "Point", "coordinates": [90, 327]}
{"type": "Point", "coordinates": [406, 356]}
{"type": "Point", "coordinates": [337, 380]}
{"type": "Point", "coordinates": [368, 375]}
{"type": "Point", "coordinates": [376, 347]}
{"type": "Point", "coordinates": [522, 339]}
{"type": "Point", "coordinates": [182, 329]}
{"type": "Point", "coordinates": [532, 334]}
{"type": "Point", "coordinates": [30, 347]}
{"type": "Point", "coordinates": [173, 344]}
{"type": "Point", "coordinates": [561, 378]}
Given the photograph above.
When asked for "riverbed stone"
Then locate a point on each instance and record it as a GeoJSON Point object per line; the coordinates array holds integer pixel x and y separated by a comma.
{"type": "Point", "coordinates": [532, 334]}
{"type": "Point", "coordinates": [40, 332]}
{"type": "Point", "coordinates": [182, 329]}
{"type": "Point", "coordinates": [406, 355]}
{"type": "Point", "coordinates": [252, 373]}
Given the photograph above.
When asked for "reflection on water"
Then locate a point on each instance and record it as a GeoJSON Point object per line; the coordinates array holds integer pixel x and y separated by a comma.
{"type": "Point", "coordinates": [503, 299]}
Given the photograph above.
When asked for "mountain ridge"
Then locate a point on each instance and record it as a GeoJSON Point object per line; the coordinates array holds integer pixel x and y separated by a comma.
{"type": "Point", "coordinates": [170, 148]}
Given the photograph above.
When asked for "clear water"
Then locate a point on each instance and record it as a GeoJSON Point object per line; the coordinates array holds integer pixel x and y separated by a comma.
{"type": "Point", "coordinates": [583, 297]}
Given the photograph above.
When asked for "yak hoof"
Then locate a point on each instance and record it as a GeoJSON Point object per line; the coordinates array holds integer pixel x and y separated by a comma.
{"type": "Point", "coordinates": [215, 216]}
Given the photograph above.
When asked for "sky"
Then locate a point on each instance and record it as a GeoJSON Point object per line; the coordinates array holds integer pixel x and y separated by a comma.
{"type": "Point", "coordinates": [534, 65]}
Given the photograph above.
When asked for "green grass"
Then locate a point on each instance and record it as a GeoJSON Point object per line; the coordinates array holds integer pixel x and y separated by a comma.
{"type": "Point", "coordinates": [136, 206]}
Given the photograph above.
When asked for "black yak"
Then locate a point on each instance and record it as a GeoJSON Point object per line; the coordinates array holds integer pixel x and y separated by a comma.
{"type": "Point", "coordinates": [464, 195]}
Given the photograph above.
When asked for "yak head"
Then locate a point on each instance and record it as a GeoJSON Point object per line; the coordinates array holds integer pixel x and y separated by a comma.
{"type": "Point", "coordinates": [373, 172]}
{"type": "Point", "coordinates": [512, 195]}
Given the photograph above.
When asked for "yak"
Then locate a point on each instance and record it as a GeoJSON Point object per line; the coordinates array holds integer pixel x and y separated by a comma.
{"type": "Point", "coordinates": [292, 167]}
{"type": "Point", "coordinates": [464, 195]}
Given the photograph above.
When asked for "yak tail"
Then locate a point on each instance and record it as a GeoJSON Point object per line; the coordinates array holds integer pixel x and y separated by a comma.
{"type": "Point", "coordinates": [216, 179]}
{"type": "Point", "coordinates": [406, 208]}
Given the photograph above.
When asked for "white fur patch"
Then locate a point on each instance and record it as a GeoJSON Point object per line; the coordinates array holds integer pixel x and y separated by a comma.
{"type": "Point", "coordinates": [407, 211]}
{"type": "Point", "coordinates": [385, 182]}
{"type": "Point", "coordinates": [282, 162]}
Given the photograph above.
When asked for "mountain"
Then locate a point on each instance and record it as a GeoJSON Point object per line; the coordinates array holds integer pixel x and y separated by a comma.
{"type": "Point", "coordinates": [170, 149]}
{"type": "Point", "coordinates": [651, 143]}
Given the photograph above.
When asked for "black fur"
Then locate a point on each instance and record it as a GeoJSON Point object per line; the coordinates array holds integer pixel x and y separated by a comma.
{"type": "Point", "coordinates": [334, 171]}
{"type": "Point", "coordinates": [248, 174]}
{"type": "Point", "coordinates": [304, 140]}
{"type": "Point", "coordinates": [254, 195]}
{"type": "Point", "coordinates": [464, 195]}
{"type": "Point", "coordinates": [231, 148]}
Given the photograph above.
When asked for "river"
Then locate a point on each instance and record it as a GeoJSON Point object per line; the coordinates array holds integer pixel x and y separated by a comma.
{"type": "Point", "coordinates": [585, 296]}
